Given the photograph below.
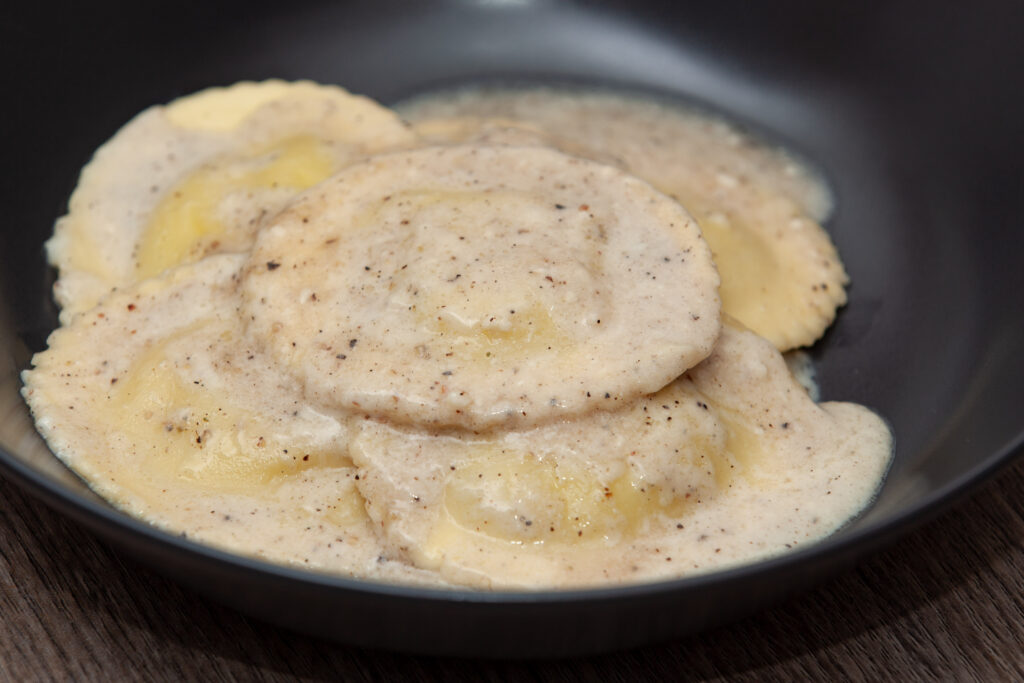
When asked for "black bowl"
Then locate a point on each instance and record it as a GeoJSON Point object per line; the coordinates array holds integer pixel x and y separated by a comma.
{"type": "Point", "coordinates": [912, 110]}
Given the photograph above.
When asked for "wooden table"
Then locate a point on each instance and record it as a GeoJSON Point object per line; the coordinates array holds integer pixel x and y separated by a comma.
{"type": "Point", "coordinates": [947, 603]}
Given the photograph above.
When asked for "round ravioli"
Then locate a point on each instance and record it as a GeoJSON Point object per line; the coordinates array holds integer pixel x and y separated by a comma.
{"type": "Point", "coordinates": [758, 209]}
{"type": "Point", "coordinates": [201, 175]}
{"type": "Point", "coordinates": [475, 286]}
{"type": "Point", "coordinates": [485, 130]}
{"type": "Point", "coordinates": [157, 400]}
{"type": "Point", "coordinates": [692, 478]}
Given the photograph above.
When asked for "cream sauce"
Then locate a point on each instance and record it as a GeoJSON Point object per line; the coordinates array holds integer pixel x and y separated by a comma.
{"type": "Point", "coordinates": [758, 207]}
{"type": "Point", "coordinates": [183, 402]}
{"type": "Point", "coordinates": [476, 286]}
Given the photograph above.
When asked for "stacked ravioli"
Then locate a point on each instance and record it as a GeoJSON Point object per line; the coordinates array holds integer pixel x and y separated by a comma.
{"type": "Point", "coordinates": [484, 350]}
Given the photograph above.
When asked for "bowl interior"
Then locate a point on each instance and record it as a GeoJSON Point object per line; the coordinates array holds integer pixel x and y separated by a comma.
{"type": "Point", "coordinates": [910, 114]}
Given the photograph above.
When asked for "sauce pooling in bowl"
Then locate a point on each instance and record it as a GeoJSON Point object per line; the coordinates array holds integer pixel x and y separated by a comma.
{"type": "Point", "coordinates": [486, 349]}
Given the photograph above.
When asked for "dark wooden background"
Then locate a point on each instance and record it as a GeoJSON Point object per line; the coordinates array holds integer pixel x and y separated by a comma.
{"type": "Point", "coordinates": [946, 603]}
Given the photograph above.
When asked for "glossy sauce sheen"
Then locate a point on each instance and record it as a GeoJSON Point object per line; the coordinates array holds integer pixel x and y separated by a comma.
{"type": "Point", "coordinates": [222, 417]}
{"type": "Point", "coordinates": [759, 209]}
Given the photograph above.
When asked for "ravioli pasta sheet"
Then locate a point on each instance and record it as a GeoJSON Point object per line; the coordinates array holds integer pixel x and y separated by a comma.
{"type": "Point", "coordinates": [757, 207]}
{"type": "Point", "coordinates": [463, 287]}
{"type": "Point", "coordinates": [200, 175]}
{"type": "Point", "coordinates": [489, 350]}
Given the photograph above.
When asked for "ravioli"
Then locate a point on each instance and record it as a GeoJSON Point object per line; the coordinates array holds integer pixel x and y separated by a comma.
{"type": "Point", "coordinates": [478, 286]}
{"type": "Point", "coordinates": [485, 130]}
{"type": "Point", "coordinates": [758, 209]}
{"type": "Point", "coordinates": [201, 175]}
{"type": "Point", "coordinates": [295, 329]}
{"type": "Point", "coordinates": [668, 484]}
{"type": "Point", "coordinates": [156, 398]}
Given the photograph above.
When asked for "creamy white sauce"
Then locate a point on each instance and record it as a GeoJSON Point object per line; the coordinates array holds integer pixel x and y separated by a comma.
{"type": "Point", "coordinates": [758, 208]}
{"type": "Point", "coordinates": [185, 403]}
{"type": "Point", "coordinates": [801, 365]}
{"type": "Point", "coordinates": [476, 286]}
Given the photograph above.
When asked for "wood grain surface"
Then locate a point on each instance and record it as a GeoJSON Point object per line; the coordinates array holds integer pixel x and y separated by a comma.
{"type": "Point", "coordinates": [946, 603]}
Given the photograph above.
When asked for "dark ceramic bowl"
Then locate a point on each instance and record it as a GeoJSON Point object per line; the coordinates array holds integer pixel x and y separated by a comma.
{"type": "Point", "coordinates": [913, 111]}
